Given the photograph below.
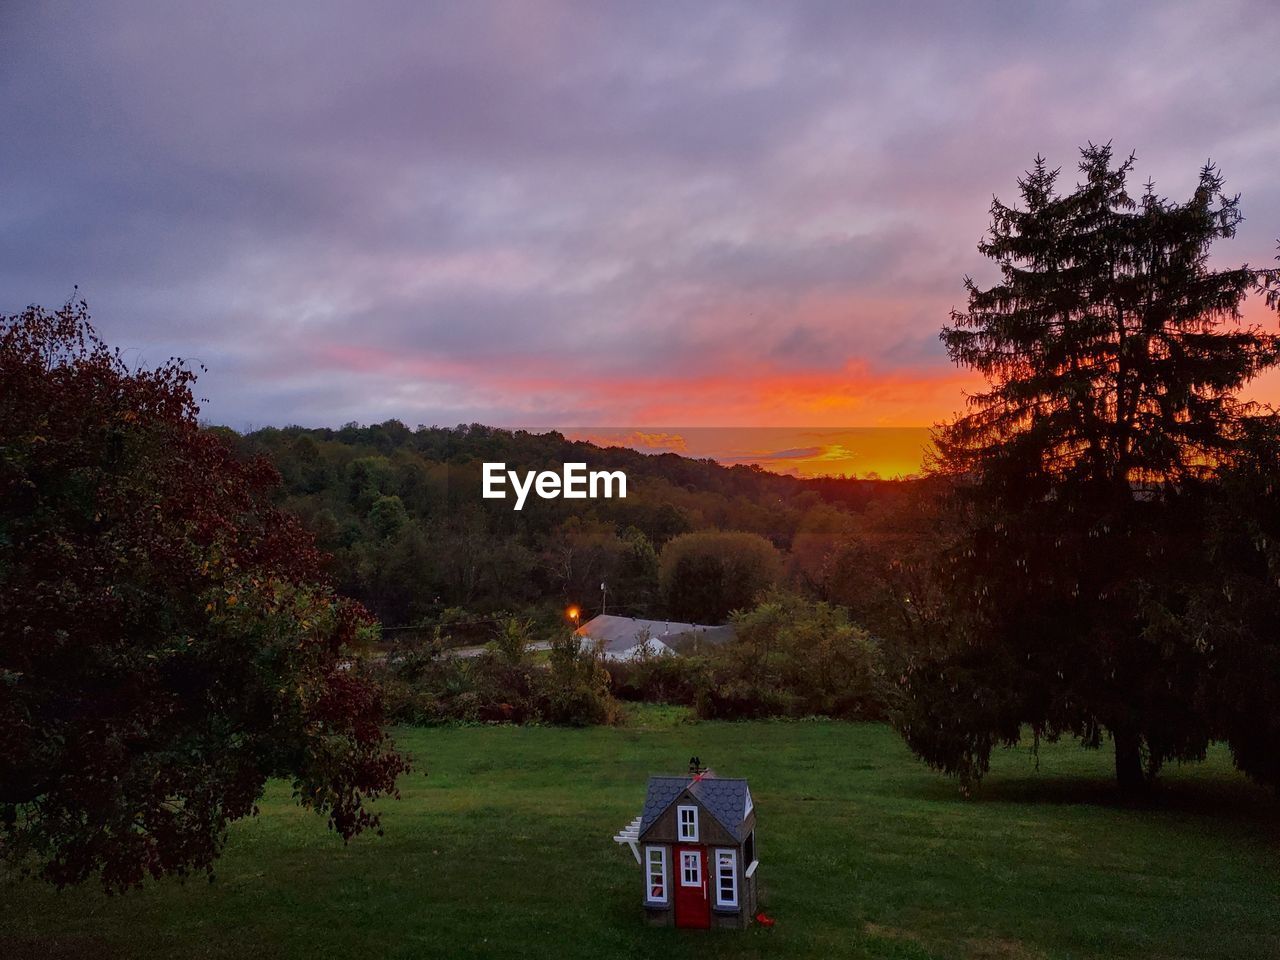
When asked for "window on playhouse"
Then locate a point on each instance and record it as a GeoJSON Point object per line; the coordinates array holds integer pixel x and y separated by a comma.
{"type": "Point", "coordinates": [655, 874]}
{"type": "Point", "coordinates": [688, 823]}
{"type": "Point", "coordinates": [727, 878]}
{"type": "Point", "coordinates": [690, 868]}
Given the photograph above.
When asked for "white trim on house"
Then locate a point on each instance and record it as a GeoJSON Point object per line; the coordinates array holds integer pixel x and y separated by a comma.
{"type": "Point", "coordinates": [750, 806]}
{"type": "Point", "coordinates": [630, 835]}
{"type": "Point", "coordinates": [655, 868]}
{"type": "Point", "coordinates": [726, 877]}
{"type": "Point", "coordinates": [687, 820]}
{"type": "Point", "coordinates": [690, 868]}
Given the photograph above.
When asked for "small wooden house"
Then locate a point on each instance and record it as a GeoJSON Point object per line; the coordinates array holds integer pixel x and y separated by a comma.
{"type": "Point", "coordinates": [695, 842]}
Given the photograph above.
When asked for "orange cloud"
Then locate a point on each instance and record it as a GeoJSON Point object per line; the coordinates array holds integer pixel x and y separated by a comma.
{"type": "Point", "coordinates": [645, 441]}
{"type": "Point", "coordinates": [853, 420]}
{"type": "Point", "coordinates": [751, 394]}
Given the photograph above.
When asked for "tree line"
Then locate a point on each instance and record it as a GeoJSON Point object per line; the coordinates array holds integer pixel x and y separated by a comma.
{"type": "Point", "coordinates": [400, 516]}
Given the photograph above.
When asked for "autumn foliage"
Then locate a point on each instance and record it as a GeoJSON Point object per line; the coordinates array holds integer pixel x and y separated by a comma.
{"type": "Point", "coordinates": [167, 639]}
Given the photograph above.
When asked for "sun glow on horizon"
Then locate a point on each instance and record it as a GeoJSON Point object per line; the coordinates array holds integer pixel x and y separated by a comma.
{"type": "Point", "coordinates": [884, 452]}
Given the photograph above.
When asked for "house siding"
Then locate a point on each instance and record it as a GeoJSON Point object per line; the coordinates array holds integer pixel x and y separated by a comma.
{"type": "Point", "coordinates": [710, 832]}
{"type": "Point", "coordinates": [664, 832]}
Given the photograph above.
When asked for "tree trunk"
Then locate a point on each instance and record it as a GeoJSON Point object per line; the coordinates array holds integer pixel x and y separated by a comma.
{"type": "Point", "coordinates": [1130, 777]}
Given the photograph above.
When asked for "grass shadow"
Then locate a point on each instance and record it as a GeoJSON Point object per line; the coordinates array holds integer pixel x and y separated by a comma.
{"type": "Point", "coordinates": [1212, 797]}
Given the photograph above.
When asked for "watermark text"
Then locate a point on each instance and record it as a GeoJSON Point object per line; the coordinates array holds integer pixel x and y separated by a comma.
{"type": "Point", "coordinates": [574, 482]}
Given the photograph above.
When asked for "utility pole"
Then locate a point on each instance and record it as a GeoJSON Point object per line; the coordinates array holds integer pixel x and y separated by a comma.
{"type": "Point", "coordinates": [604, 592]}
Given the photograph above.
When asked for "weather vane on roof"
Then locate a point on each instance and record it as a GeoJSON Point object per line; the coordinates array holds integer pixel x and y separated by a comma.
{"type": "Point", "coordinates": [695, 843]}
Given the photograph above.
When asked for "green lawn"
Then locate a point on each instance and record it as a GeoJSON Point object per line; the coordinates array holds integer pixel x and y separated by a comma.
{"type": "Point", "coordinates": [504, 850]}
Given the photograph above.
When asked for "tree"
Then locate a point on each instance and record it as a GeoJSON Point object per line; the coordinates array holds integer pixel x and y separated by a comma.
{"type": "Point", "coordinates": [882, 571]}
{"type": "Point", "coordinates": [167, 641]}
{"type": "Point", "coordinates": [637, 575]}
{"type": "Point", "coordinates": [580, 553]}
{"type": "Point", "coordinates": [706, 575]}
{"type": "Point", "coordinates": [1235, 607]}
{"type": "Point", "coordinates": [368, 480]}
{"type": "Point", "coordinates": [1113, 354]}
{"type": "Point", "coordinates": [819, 535]}
{"type": "Point", "coordinates": [797, 657]}
{"type": "Point", "coordinates": [387, 516]}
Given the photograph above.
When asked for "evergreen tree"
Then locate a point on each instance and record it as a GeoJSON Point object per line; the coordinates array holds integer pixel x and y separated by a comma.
{"type": "Point", "coordinates": [1114, 354]}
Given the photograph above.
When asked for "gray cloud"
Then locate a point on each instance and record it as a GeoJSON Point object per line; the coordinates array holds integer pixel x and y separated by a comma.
{"type": "Point", "coordinates": [486, 211]}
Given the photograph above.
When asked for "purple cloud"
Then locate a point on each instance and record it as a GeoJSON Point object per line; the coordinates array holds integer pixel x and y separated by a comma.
{"type": "Point", "coordinates": [502, 211]}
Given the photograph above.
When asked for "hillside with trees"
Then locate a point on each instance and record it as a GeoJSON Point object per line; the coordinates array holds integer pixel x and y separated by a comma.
{"type": "Point", "coordinates": [400, 513]}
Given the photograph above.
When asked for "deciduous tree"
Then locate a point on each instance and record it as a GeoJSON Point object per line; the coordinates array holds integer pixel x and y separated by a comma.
{"type": "Point", "coordinates": [167, 639]}
{"type": "Point", "coordinates": [707, 574]}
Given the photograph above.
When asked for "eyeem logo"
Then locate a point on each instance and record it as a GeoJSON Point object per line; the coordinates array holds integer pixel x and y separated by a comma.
{"type": "Point", "coordinates": [575, 483]}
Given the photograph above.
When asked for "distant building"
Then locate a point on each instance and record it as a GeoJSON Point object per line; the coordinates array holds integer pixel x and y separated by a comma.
{"type": "Point", "coordinates": [624, 638]}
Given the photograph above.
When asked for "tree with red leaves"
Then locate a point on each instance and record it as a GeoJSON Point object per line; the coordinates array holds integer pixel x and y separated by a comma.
{"type": "Point", "coordinates": [168, 641]}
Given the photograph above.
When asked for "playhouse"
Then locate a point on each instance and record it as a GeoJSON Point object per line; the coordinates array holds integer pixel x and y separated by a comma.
{"type": "Point", "coordinates": [696, 845]}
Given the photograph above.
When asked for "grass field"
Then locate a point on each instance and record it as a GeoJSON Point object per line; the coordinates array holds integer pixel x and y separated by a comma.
{"type": "Point", "coordinates": [504, 850]}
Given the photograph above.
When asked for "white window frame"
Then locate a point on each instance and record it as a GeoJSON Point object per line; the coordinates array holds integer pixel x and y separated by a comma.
{"type": "Point", "coordinates": [749, 806]}
{"type": "Point", "coordinates": [726, 860]}
{"type": "Point", "coordinates": [688, 857]}
{"type": "Point", "coordinates": [687, 828]}
{"type": "Point", "coordinates": [660, 862]}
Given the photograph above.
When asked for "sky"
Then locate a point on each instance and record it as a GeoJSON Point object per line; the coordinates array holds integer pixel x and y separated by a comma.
{"type": "Point", "coordinates": [633, 216]}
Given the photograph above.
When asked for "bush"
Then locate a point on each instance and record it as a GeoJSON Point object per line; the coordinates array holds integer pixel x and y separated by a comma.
{"type": "Point", "coordinates": [793, 658]}
{"type": "Point", "coordinates": [575, 689]}
{"type": "Point", "coordinates": [506, 683]}
{"type": "Point", "coordinates": [659, 678]}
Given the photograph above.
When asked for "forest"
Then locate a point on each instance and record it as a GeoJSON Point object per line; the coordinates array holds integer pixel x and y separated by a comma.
{"type": "Point", "coordinates": [400, 514]}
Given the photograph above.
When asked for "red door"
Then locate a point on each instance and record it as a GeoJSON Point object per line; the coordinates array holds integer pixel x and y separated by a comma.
{"type": "Point", "coordinates": [693, 902]}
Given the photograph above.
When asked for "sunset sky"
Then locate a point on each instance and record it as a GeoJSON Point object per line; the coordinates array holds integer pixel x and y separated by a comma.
{"type": "Point", "coordinates": [624, 216]}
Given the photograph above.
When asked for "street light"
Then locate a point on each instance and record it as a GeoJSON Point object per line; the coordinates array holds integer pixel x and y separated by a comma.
{"type": "Point", "coordinates": [573, 613]}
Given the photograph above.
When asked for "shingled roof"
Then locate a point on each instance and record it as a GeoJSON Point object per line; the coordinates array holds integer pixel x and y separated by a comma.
{"type": "Point", "coordinates": [725, 799]}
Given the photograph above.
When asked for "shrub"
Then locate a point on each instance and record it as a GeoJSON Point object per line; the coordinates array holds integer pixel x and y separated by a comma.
{"type": "Point", "coordinates": [659, 678]}
{"type": "Point", "coordinates": [426, 684]}
{"type": "Point", "coordinates": [794, 657]}
{"type": "Point", "coordinates": [574, 690]}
